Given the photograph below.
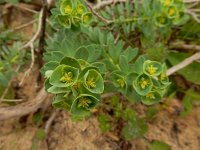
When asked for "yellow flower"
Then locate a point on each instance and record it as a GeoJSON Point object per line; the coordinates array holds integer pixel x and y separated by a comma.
{"type": "Point", "coordinates": [68, 9]}
{"type": "Point", "coordinates": [91, 83]}
{"type": "Point", "coordinates": [67, 78]}
{"type": "Point", "coordinates": [84, 102]}
{"type": "Point", "coordinates": [80, 9]}
{"type": "Point", "coordinates": [150, 95]}
{"type": "Point", "coordinates": [143, 83]}
{"type": "Point", "coordinates": [151, 69]}
{"type": "Point", "coordinates": [163, 76]}
{"type": "Point", "coordinates": [172, 11]}
{"type": "Point", "coordinates": [86, 18]}
{"type": "Point", "coordinates": [121, 82]}
{"type": "Point", "coordinates": [167, 2]}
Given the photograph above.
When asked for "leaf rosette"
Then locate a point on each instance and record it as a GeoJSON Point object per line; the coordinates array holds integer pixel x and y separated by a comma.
{"type": "Point", "coordinates": [143, 84]}
{"type": "Point", "coordinates": [119, 81]}
{"type": "Point", "coordinates": [151, 98]}
{"type": "Point", "coordinates": [66, 7]}
{"type": "Point", "coordinates": [162, 20]}
{"type": "Point", "coordinates": [83, 104]}
{"type": "Point", "coordinates": [167, 2]}
{"type": "Point", "coordinates": [172, 12]}
{"type": "Point", "coordinates": [152, 68]}
{"type": "Point", "coordinates": [93, 81]}
{"type": "Point", "coordinates": [86, 18]}
{"type": "Point", "coordinates": [64, 76]}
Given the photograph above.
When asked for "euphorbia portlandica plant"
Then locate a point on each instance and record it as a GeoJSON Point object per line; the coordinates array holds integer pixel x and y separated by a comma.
{"type": "Point", "coordinates": [71, 13]}
{"type": "Point", "coordinates": [82, 64]}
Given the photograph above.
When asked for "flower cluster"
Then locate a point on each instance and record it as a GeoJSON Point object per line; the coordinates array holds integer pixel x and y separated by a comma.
{"type": "Point", "coordinates": [76, 87]}
{"type": "Point", "coordinates": [148, 83]}
{"type": "Point", "coordinates": [152, 82]}
{"type": "Point", "coordinates": [73, 13]}
{"type": "Point", "coordinates": [172, 12]}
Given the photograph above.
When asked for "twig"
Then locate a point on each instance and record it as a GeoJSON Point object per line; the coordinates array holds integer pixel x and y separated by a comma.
{"type": "Point", "coordinates": [191, 1]}
{"type": "Point", "coordinates": [103, 4]}
{"type": "Point", "coordinates": [50, 121]}
{"type": "Point", "coordinates": [11, 100]}
{"type": "Point", "coordinates": [31, 65]}
{"type": "Point", "coordinates": [24, 108]}
{"type": "Point", "coordinates": [96, 14]}
{"type": "Point", "coordinates": [184, 47]}
{"type": "Point", "coordinates": [37, 33]}
{"type": "Point", "coordinates": [21, 26]}
{"type": "Point", "coordinates": [195, 16]}
{"type": "Point", "coordinates": [20, 5]}
{"type": "Point", "coordinates": [43, 24]}
{"type": "Point", "coordinates": [183, 64]}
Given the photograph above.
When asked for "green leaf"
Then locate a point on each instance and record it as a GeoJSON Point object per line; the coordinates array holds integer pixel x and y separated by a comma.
{"type": "Point", "coordinates": [49, 66]}
{"type": "Point", "coordinates": [93, 81]}
{"type": "Point", "coordinates": [60, 73]}
{"type": "Point", "coordinates": [101, 66]}
{"type": "Point", "coordinates": [152, 68]}
{"type": "Point", "coordinates": [69, 61]}
{"type": "Point", "coordinates": [104, 123]}
{"type": "Point", "coordinates": [66, 7]}
{"type": "Point", "coordinates": [119, 81]}
{"type": "Point", "coordinates": [115, 51]}
{"type": "Point", "coordinates": [86, 18]}
{"type": "Point", "coordinates": [135, 128]}
{"type": "Point", "coordinates": [64, 21]}
{"type": "Point", "coordinates": [95, 52]}
{"type": "Point", "coordinates": [159, 145]}
{"type": "Point", "coordinates": [82, 53]}
{"type": "Point", "coordinates": [53, 56]}
{"type": "Point", "coordinates": [143, 84]}
{"type": "Point", "coordinates": [123, 63]}
{"type": "Point", "coordinates": [190, 72]}
{"type": "Point", "coordinates": [151, 98]}
{"type": "Point", "coordinates": [40, 134]}
{"type": "Point", "coordinates": [60, 101]}
{"type": "Point", "coordinates": [130, 53]}
{"type": "Point", "coordinates": [83, 104]}
{"type": "Point", "coordinates": [138, 65]}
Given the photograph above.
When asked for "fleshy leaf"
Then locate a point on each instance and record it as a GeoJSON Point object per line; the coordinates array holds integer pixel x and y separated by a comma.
{"type": "Point", "coordinates": [86, 18]}
{"type": "Point", "coordinates": [152, 68]}
{"type": "Point", "coordinates": [65, 21]}
{"type": "Point", "coordinates": [69, 61]}
{"type": "Point", "coordinates": [93, 81]}
{"type": "Point", "coordinates": [143, 84]}
{"type": "Point", "coordinates": [64, 76]}
{"type": "Point", "coordinates": [151, 98]}
{"type": "Point", "coordinates": [83, 104]}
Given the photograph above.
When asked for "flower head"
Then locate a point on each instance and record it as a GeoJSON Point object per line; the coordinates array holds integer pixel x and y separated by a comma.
{"type": "Point", "coordinates": [151, 69]}
{"type": "Point", "coordinates": [150, 95]}
{"type": "Point", "coordinates": [84, 102]}
{"type": "Point", "coordinates": [143, 83]}
{"type": "Point", "coordinates": [68, 9]}
{"type": "Point", "coordinates": [80, 9]}
{"type": "Point", "coordinates": [67, 78]}
{"type": "Point", "coordinates": [91, 82]}
{"type": "Point", "coordinates": [121, 82]}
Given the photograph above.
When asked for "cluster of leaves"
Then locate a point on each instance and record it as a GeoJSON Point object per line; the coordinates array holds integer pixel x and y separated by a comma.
{"type": "Point", "coordinates": [71, 13]}
{"type": "Point", "coordinates": [79, 62]}
{"type": "Point", "coordinates": [10, 55]}
{"type": "Point", "coordinates": [172, 12]}
{"type": "Point", "coordinates": [76, 82]}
